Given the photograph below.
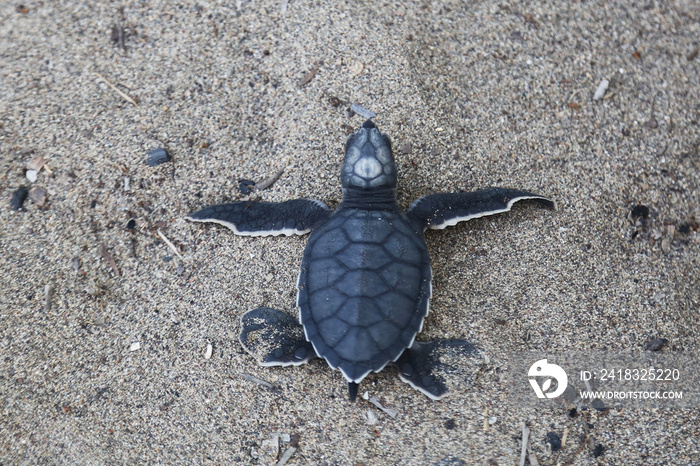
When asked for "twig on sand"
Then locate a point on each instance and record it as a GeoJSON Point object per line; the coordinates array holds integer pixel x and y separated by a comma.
{"type": "Point", "coordinates": [564, 437]}
{"type": "Point", "coordinates": [526, 439]}
{"type": "Point", "coordinates": [48, 292]}
{"type": "Point", "coordinates": [116, 89]}
{"type": "Point", "coordinates": [170, 245]}
{"type": "Point", "coordinates": [525, 450]}
{"type": "Point", "coordinates": [363, 112]}
{"type": "Point", "coordinates": [268, 182]}
{"type": "Point", "coordinates": [257, 380]}
{"type": "Point", "coordinates": [286, 455]}
{"type": "Point", "coordinates": [391, 412]}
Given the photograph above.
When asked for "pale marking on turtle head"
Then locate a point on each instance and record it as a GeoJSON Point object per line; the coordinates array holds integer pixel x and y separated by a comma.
{"type": "Point", "coordinates": [368, 168]}
{"type": "Point", "coordinates": [368, 162]}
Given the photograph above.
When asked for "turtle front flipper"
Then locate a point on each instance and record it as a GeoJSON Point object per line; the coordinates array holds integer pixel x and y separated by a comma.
{"type": "Point", "coordinates": [422, 367]}
{"type": "Point", "coordinates": [295, 217]}
{"type": "Point", "coordinates": [438, 211]}
{"type": "Point", "coordinates": [274, 338]}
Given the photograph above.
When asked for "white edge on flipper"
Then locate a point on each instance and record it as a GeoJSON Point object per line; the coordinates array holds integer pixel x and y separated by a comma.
{"type": "Point", "coordinates": [456, 220]}
{"type": "Point", "coordinates": [272, 364]}
{"type": "Point", "coordinates": [231, 226]}
{"type": "Point", "coordinates": [422, 390]}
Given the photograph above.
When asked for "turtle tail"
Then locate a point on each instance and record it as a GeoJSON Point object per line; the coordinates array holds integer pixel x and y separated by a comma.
{"type": "Point", "coordinates": [352, 390]}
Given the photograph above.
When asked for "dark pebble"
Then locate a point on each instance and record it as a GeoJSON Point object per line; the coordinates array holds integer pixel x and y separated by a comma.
{"type": "Point", "coordinates": [598, 405]}
{"type": "Point", "coordinates": [686, 227]}
{"type": "Point", "coordinates": [18, 198]}
{"type": "Point", "coordinates": [168, 258]}
{"type": "Point", "coordinates": [599, 449]}
{"type": "Point", "coordinates": [450, 424]}
{"type": "Point", "coordinates": [656, 344]}
{"type": "Point", "coordinates": [131, 224]}
{"type": "Point", "coordinates": [573, 412]}
{"type": "Point", "coordinates": [244, 186]}
{"type": "Point", "coordinates": [294, 440]}
{"type": "Point", "coordinates": [554, 440]}
{"type": "Point", "coordinates": [157, 156]}
{"type": "Point", "coordinates": [640, 211]}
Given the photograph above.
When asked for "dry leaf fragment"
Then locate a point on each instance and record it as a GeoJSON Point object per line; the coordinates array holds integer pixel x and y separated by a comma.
{"type": "Point", "coordinates": [36, 163]}
{"type": "Point", "coordinates": [309, 76]}
{"type": "Point", "coordinates": [109, 259]}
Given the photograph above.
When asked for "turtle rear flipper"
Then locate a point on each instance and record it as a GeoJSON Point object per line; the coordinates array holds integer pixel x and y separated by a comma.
{"type": "Point", "coordinates": [274, 338]}
{"type": "Point", "coordinates": [421, 367]}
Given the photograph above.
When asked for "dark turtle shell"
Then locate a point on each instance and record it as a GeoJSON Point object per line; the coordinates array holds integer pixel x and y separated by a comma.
{"type": "Point", "coordinates": [364, 288]}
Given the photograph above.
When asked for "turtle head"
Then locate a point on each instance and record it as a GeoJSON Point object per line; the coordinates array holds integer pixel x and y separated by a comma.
{"type": "Point", "coordinates": [368, 162]}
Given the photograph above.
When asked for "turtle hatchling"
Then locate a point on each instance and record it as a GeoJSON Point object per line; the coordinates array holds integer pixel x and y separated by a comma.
{"type": "Point", "coordinates": [365, 279]}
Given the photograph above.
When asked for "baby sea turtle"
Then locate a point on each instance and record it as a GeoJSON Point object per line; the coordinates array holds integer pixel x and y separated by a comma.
{"type": "Point", "coordinates": [365, 278]}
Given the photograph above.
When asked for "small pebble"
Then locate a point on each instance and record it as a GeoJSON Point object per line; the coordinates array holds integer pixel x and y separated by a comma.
{"type": "Point", "coordinates": [656, 344]}
{"type": "Point", "coordinates": [598, 450]}
{"type": "Point", "coordinates": [157, 156]}
{"type": "Point", "coordinates": [18, 198]}
{"type": "Point", "coordinates": [356, 69]}
{"type": "Point", "coordinates": [554, 440]}
{"type": "Point", "coordinates": [665, 245]}
{"type": "Point", "coordinates": [640, 211]}
{"type": "Point", "coordinates": [31, 175]}
{"type": "Point", "coordinates": [37, 196]}
{"type": "Point", "coordinates": [134, 346]}
{"type": "Point", "coordinates": [244, 186]}
{"type": "Point", "coordinates": [492, 420]}
{"type": "Point", "coordinates": [207, 354]}
{"type": "Point", "coordinates": [602, 87]}
{"type": "Point", "coordinates": [598, 405]}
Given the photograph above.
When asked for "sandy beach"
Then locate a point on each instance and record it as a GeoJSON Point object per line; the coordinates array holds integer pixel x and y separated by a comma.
{"type": "Point", "coordinates": [119, 319]}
